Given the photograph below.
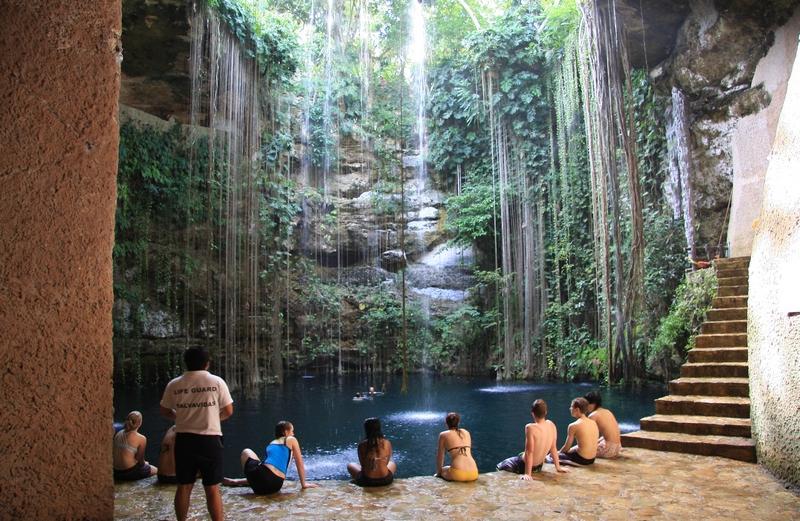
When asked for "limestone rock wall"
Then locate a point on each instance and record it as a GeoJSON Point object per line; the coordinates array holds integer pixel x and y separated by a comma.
{"type": "Point", "coordinates": [774, 304]}
{"type": "Point", "coordinates": [713, 62]}
{"type": "Point", "coordinates": [752, 140]}
{"type": "Point", "coordinates": [59, 134]}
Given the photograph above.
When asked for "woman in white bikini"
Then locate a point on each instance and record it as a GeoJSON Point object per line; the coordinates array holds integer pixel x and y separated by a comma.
{"type": "Point", "coordinates": [129, 446]}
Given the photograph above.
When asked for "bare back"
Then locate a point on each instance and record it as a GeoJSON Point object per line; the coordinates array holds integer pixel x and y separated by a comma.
{"type": "Point", "coordinates": [128, 449]}
{"type": "Point", "coordinates": [586, 434]}
{"type": "Point", "coordinates": [542, 437]}
{"type": "Point", "coordinates": [607, 425]}
{"type": "Point", "coordinates": [459, 448]}
{"type": "Point", "coordinates": [166, 459]}
{"type": "Point", "coordinates": [375, 460]}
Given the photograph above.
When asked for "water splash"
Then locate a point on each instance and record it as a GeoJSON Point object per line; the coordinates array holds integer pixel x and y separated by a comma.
{"type": "Point", "coordinates": [507, 389]}
{"type": "Point", "coordinates": [416, 416]}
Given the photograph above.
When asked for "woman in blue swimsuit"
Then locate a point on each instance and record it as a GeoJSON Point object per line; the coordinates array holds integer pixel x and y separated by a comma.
{"type": "Point", "coordinates": [267, 477]}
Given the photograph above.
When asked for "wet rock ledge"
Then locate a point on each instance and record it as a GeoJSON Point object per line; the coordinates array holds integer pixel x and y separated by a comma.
{"type": "Point", "coordinates": [641, 485]}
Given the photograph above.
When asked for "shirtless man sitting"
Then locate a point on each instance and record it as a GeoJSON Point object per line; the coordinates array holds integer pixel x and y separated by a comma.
{"type": "Point", "coordinates": [584, 431]}
{"type": "Point", "coordinates": [540, 438]}
{"type": "Point", "coordinates": [166, 460]}
{"type": "Point", "coordinates": [610, 442]}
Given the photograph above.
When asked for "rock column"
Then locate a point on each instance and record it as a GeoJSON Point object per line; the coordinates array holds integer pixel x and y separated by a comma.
{"type": "Point", "coordinates": [59, 88]}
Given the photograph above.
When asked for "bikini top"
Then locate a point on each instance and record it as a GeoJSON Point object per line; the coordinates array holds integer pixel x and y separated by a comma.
{"type": "Point", "coordinates": [278, 455]}
{"type": "Point", "coordinates": [121, 441]}
{"type": "Point", "coordinates": [461, 450]}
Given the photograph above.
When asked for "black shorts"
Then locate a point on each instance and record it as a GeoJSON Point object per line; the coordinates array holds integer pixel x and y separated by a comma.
{"type": "Point", "coordinates": [198, 453]}
{"type": "Point", "coordinates": [364, 481]}
{"type": "Point", "coordinates": [138, 471]}
{"type": "Point", "coordinates": [516, 464]}
{"type": "Point", "coordinates": [574, 457]}
{"type": "Point", "coordinates": [167, 480]}
{"type": "Point", "coordinates": [261, 478]}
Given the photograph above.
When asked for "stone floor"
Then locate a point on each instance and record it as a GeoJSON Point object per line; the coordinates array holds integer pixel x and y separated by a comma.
{"type": "Point", "coordinates": [641, 485]}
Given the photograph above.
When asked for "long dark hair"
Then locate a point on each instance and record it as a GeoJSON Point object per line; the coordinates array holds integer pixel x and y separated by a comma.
{"type": "Point", "coordinates": [372, 431]}
{"type": "Point", "coordinates": [282, 428]}
{"type": "Point", "coordinates": [452, 420]}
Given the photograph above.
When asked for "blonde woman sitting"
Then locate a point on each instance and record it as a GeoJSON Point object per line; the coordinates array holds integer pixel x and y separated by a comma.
{"type": "Point", "coordinates": [457, 443]}
{"type": "Point", "coordinates": [129, 446]}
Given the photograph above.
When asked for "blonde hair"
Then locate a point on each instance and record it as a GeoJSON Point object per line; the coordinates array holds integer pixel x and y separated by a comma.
{"type": "Point", "coordinates": [133, 421]}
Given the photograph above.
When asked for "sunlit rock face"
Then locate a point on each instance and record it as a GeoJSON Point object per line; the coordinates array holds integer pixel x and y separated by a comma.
{"type": "Point", "coordinates": [713, 61]}
{"type": "Point", "coordinates": [773, 329]}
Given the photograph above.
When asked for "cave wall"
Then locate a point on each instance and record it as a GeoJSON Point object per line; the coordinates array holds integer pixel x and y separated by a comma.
{"type": "Point", "coordinates": [716, 53]}
{"type": "Point", "coordinates": [59, 91]}
{"type": "Point", "coordinates": [773, 329]}
{"type": "Point", "coordinates": [752, 139]}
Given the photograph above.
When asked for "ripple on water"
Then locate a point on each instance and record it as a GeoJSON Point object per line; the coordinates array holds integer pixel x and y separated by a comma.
{"type": "Point", "coordinates": [503, 389]}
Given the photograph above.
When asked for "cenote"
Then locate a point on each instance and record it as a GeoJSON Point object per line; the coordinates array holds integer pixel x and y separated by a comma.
{"type": "Point", "coordinates": [328, 422]}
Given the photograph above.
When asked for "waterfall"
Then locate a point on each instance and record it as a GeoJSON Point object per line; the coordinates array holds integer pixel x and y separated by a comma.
{"type": "Point", "coordinates": [417, 54]}
{"type": "Point", "coordinates": [225, 89]}
{"type": "Point", "coordinates": [679, 188]}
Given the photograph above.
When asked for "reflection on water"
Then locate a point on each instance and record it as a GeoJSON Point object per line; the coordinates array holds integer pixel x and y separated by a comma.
{"type": "Point", "coordinates": [628, 427]}
{"type": "Point", "coordinates": [329, 424]}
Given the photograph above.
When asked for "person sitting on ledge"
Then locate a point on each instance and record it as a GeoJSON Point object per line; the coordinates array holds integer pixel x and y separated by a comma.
{"type": "Point", "coordinates": [610, 443]}
{"type": "Point", "coordinates": [129, 446]}
{"type": "Point", "coordinates": [584, 431]}
{"type": "Point", "coordinates": [540, 438]}
{"type": "Point", "coordinates": [458, 443]}
{"type": "Point", "coordinates": [267, 477]}
{"type": "Point", "coordinates": [166, 460]}
{"type": "Point", "coordinates": [375, 467]}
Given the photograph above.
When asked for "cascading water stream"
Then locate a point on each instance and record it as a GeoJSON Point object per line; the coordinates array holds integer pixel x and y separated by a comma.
{"type": "Point", "coordinates": [679, 187]}
{"type": "Point", "coordinates": [417, 54]}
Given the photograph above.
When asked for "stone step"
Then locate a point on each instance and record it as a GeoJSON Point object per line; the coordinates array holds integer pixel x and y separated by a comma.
{"type": "Point", "coordinates": [732, 291]}
{"type": "Point", "coordinates": [724, 273]}
{"type": "Point", "coordinates": [721, 340]}
{"type": "Point", "coordinates": [707, 386]}
{"type": "Point", "coordinates": [742, 449]}
{"type": "Point", "coordinates": [699, 425]}
{"type": "Point", "coordinates": [729, 302]}
{"type": "Point", "coordinates": [724, 326]}
{"type": "Point", "coordinates": [732, 262]}
{"type": "Point", "coordinates": [718, 354]}
{"type": "Point", "coordinates": [727, 406]}
{"type": "Point", "coordinates": [718, 370]}
{"type": "Point", "coordinates": [724, 282]}
{"type": "Point", "coordinates": [727, 314]}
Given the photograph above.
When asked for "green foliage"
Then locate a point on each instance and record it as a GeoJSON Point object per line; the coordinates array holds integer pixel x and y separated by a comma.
{"type": "Point", "coordinates": [456, 335]}
{"type": "Point", "coordinates": [267, 35]}
{"type": "Point", "coordinates": [156, 199]}
{"type": "Point", "coordinates": [677, 330]}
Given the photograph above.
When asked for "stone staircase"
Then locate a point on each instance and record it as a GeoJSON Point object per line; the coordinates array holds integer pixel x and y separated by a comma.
{"type": "Point", "coordinates": [708, 409]}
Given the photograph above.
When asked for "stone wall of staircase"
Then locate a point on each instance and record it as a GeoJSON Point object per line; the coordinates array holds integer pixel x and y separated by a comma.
{"type": "Point", "coordinates": [708, 409]}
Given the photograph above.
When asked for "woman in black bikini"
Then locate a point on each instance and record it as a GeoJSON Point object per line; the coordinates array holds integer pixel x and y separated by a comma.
{"type": "Point", "coordinates": [375, 467]}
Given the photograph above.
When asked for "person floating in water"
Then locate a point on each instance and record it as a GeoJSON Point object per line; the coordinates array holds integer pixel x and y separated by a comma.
{"type": "Point", "coordinates": [358, 397]}
{"type": "Point", "coordinates": [610, 443]}
{"type": "Point", "coordinates": [540, 439]}
{"type": "Point", "coordinates": [375, 467]}
{"type": "Point", "coordinates": [458, 443]}
{"type": "Point", "coordinates": [129, 447]}
{"type": "Point", "coordinates": [584, 431]}
{"type": "Point", "coordinates": [267, 477]}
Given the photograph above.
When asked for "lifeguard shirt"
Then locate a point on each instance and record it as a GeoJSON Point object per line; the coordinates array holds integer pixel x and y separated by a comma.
{"type": "Point", "coordinates": [197, 397]}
